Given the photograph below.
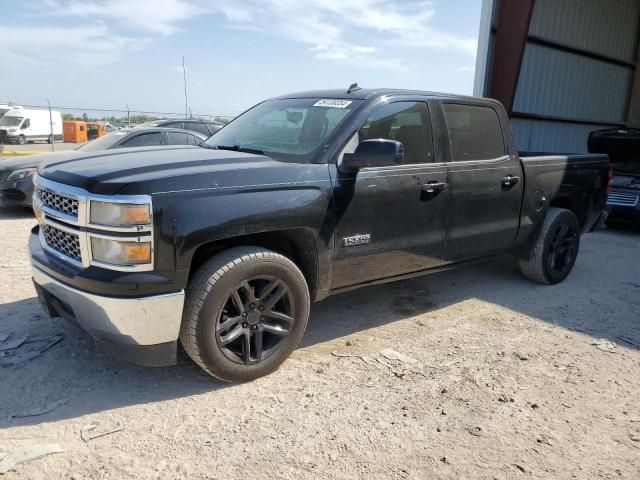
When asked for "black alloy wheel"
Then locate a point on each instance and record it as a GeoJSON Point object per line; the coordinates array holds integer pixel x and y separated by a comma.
{"type": "Point", "coordinates": [246, 309]}
{"type": "Point", "coordinates": [256, 318]}
{"type": "Point", "coordinates": [563, 249]}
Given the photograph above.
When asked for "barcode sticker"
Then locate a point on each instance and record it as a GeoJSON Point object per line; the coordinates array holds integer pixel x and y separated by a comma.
{"type": "Point", "coordinates": [332, 103]}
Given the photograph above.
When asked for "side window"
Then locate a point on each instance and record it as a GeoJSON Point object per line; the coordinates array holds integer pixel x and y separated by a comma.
{"type": "Point", "coordinates": [198, 127]}
{"type": "Point", "coordinates": [193, 140]}
{"type": "Point", "coordinates": [175, 138]}
{"type": "Point", "coordinates": [474, 132]}
{"type": "Point", "coordinates": [26, 124]}
{"type": "Point", "coordinates": [405, 122]}
{"type": "Point", "coordinates": [144, 140]}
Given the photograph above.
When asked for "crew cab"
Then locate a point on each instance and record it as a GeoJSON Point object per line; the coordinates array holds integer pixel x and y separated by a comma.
{"type": "Point", "coordinates": [224, 246]}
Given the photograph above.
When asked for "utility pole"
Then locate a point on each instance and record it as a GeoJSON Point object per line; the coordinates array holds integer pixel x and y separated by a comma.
{"type": "Point", "coordinates": [186, 102]}
{"type": "Point", "coordinates": [53, 138]}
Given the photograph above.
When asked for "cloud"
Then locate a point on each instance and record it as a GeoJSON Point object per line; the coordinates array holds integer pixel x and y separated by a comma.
{"type": "Point", "coordinates": [338, 29]}
{"type": "Point", "coordinates": [155, 16]}
{"type": "Point", "coordinates": [365, 33]}
{"type": "Point", "coordinates": [89, 46]}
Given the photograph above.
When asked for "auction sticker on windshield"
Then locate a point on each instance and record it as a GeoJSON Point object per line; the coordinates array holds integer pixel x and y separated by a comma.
{"type": "Point", "coordinates": [332, 103]}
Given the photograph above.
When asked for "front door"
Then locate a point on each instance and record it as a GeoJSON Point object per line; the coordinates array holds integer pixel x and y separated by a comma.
{"type": "Point", "coordinates": [388, 220]}
{"type": "Point", "coordinates": [485, 182]}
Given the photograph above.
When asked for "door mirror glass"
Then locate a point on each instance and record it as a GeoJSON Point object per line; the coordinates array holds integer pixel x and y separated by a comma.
{"type": "Point", "coordinates": [373, 153]}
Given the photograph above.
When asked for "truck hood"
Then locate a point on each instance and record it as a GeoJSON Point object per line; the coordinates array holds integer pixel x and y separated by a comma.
{"type": "Point", "coordinates": [150, 170]}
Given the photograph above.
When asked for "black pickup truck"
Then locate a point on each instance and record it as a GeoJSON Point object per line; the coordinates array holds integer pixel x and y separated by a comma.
{"type": "Point", "coordinates": [224, 246]}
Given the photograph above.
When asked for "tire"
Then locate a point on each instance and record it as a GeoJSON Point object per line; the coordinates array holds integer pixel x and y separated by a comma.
{"type": "Point", "coordinates": [554, 254]}
{"type": "Point", "coordinates": [22, 140]}
{"type": "Point", "coordinates": [214, 314]}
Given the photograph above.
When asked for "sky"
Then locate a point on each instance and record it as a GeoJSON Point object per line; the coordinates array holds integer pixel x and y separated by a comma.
{"type": "Point", "coordinates": [114, 53]}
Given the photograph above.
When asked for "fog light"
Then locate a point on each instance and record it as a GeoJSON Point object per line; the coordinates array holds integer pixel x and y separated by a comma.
{"type": "Point", "coordinates": [118, 252]}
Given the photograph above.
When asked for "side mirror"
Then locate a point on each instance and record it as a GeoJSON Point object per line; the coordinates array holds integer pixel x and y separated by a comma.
{"type": "Point", "coordinates": [373, 153]}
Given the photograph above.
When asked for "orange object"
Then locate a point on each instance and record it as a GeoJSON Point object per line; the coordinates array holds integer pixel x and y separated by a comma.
{"type": "Point", "coordinates": [75, 132]}
{"type": "Point", "coordinates": [94, 130]}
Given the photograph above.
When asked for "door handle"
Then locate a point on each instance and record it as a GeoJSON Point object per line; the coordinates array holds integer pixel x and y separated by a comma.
{"type": "Point", "coordinates": [510, 180]}
{"type": "Point", "coordinates": [433, 187]}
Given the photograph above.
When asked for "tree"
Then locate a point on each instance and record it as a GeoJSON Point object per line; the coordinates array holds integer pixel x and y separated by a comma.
{"type": "Point", "coordinates": [85, 117]}
{"type": "Point", "coordinates": [68, 116]}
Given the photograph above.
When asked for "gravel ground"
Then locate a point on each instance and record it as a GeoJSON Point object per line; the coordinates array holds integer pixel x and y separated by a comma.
{"type": "Point", "coordinates": [471, 373]}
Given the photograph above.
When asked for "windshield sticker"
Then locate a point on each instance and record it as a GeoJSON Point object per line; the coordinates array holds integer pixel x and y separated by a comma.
{"type": "Point", "coordinates": [332, 103]}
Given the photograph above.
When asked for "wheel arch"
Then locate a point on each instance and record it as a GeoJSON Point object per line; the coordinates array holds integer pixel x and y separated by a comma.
{"type": "Point", "coordinates": [297, 244]}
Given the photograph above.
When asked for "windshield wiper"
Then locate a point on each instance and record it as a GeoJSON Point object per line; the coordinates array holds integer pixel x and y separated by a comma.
{"type": "Point", "coordinates": [238, 148]}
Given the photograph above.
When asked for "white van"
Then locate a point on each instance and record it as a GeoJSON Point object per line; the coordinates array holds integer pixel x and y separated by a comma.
{"type": "Point", "coordinates": [21, 125]}
{"type": "Point", "coordinates": [5, 108]}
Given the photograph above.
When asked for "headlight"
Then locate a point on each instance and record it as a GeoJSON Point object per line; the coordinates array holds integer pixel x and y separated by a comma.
{"type": "Point", "coordinates": [120, 252]}
{"type": "Point", "coordinates": [120, 214]}
{"type": "Point", "coordinates": [13, 130]}
{"type": "Point", "coordinates": [20, 174]}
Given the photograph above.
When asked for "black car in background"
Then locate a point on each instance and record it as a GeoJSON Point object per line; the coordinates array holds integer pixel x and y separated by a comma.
{"type": "Point", "coordinates": [205, 128]}
{"type": "Point", "coordinates": [16, 183]}
{"type": "Point", "coordinates": [623, 147]}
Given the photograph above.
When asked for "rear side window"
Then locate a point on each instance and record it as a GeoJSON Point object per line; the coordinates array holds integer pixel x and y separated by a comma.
{"type": "Point", "coordinates": [144, 140]}
{"type": "Point", "coordinates": [175, 138]}
{"type": "Point", "coordinates": [405, 122]}
{"type": "Point", "coordinates": [474, 132]}
{"type": "Point", "coordinates": [198, 127]}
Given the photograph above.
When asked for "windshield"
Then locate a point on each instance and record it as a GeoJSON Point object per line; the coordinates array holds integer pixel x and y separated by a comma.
{"type": "Point", "coordinates": [103, 143]}
{"type": "Point", "coordinates": [287, 129]}
{"type": "Point", "coordinates": [10, 121]}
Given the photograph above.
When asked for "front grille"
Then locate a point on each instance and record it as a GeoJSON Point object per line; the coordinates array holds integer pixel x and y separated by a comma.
{"type": "Point", "coordinates": [3, 176]}
{"type": "Point", "coordinates": [67, 244]}
{"type": "Point", "coordinates": [58, 202]}
{"type": "Point", "coordinates": [622, 199]}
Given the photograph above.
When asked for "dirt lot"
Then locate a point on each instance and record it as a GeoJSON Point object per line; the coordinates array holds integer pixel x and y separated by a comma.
{"type": "Point", "coordinates": [497, 378]}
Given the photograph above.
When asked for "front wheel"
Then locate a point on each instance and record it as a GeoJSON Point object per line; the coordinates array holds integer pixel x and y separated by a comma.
{"type": "Point", "coordinates": [22, 140]}
{"type": "Point", "coordinates": [246, 310]}
{"type": "Point", "coordinates": [554, 254]}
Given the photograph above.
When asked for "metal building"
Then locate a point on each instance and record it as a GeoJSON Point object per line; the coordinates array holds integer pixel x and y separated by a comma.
{"type": "Point", "coordinates": [562, 68]}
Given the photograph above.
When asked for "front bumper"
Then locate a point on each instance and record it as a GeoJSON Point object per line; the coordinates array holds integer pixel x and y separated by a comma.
{"type": "Point", "coordinates": [142, 330]}
{"type": "Point", "coordinates": [16, 194]}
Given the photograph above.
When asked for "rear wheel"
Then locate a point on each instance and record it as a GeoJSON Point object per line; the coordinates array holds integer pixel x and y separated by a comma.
{"type": "Point", "coordinates": [246, 311]}
{"type": "Point", "coordinates": [554, 254]}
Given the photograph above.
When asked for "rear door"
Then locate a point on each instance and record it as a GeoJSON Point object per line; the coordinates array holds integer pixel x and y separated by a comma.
{"type": "Point", "coordinates": [387, 221]}
{"type": "Point", "coordinates": [485, 181]}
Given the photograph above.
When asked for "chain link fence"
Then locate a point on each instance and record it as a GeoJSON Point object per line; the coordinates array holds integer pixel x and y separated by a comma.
{"type": "Point", "coordinates": [25, 123]}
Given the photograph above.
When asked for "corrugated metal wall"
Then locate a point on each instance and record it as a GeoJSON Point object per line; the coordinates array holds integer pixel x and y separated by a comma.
{"type": "Point", "coordinates": [606, 27]}
{"type": "Point", "coordinates": [577, 72]}
{"type": "Point", "coordinates": [562, 84]}
{"type": "Point", "coordinates": [549, 136]}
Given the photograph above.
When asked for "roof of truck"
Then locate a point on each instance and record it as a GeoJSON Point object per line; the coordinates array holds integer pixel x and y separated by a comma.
{"type": "Point", "coordinates": [367, 93]}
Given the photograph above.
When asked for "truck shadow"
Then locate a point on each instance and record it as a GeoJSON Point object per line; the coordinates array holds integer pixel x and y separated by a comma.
{"type": "Point", "coordinates": [598, 299]}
